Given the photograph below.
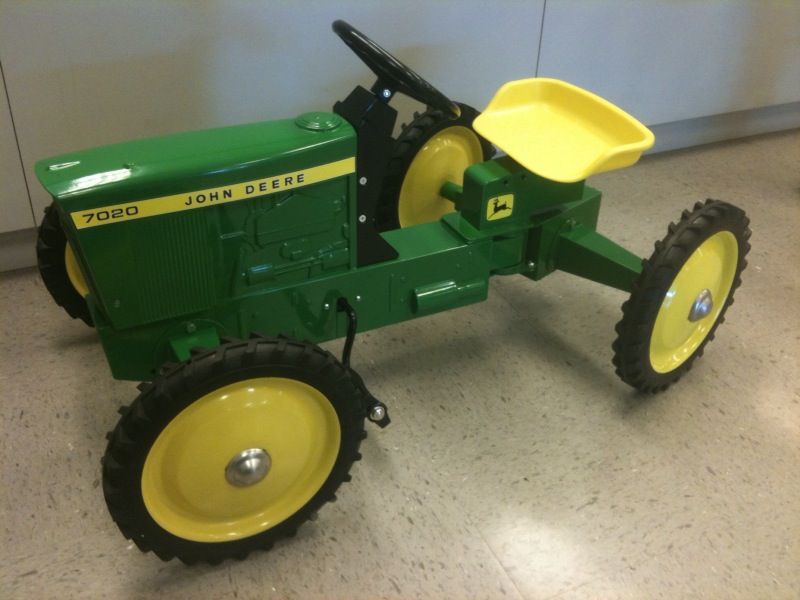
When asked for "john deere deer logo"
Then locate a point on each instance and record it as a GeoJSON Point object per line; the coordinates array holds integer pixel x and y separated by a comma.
{"type": "Point", "coordinates": [500, 207]}
{"type": "Point", "coordinates": [497, 207]}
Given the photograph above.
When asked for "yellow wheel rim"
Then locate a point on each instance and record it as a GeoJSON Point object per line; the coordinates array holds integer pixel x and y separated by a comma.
{"type": "Point", "coordinates": [184, 482]}
{"type": "Point", "coordinates": [710, 268]}
{"type": "Point", "coordinates": [74, 272]}
{"type": "Point", "coordinates": [443, 158]}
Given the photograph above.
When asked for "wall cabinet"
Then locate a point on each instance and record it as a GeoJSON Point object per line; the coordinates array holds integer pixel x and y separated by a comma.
{"type": "Point", "coordinates": [667, 61]}
{"type": "Point", "coordinates": [85, 73]}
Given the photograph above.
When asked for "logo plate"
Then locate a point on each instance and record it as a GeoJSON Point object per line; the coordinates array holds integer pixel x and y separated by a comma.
{"type": "Point", "coordinates": [500, 207]}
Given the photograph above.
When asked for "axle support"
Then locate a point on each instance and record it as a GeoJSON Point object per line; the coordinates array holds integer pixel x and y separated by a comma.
{"type": "Point", "coordinates": [588, 254]}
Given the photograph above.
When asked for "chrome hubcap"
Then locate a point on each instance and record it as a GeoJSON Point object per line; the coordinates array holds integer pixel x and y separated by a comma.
{"type": "Point", "coordinates": [248, 467]}
{"type": "Point", "coordinates": [702, 306]}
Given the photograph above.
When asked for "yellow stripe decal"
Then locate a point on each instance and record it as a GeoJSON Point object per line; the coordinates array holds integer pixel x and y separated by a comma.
{"type": "Point", "coordinates": [212, 196]}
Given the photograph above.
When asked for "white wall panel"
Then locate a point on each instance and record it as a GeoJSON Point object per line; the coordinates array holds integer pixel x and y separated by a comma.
{"type": "Point", "coordinates": [83, 73]}
{"type": "Point", "coordinates": [669, 60]}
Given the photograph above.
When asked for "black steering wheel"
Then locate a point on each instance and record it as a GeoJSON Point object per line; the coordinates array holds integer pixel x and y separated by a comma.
{"type": "Point", "coordinates": [392, 74]}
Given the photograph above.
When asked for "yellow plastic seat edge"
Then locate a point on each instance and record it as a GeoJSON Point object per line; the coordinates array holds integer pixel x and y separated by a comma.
{"type": "Point", "coordinates": [617, 157]}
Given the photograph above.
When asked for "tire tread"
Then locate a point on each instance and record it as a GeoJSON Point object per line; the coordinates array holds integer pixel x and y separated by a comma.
{"type": "Point", "coordinates": [632, 346]}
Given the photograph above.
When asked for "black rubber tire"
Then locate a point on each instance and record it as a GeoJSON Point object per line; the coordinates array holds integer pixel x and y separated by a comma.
{"type": "Point", "coordinates": [50, 247]}
{"type": "Point", "coordinates": [410, 141]}
{"type": "Point", "coordinates": [183, 383]}
{"type": "Point", "coordinates": [632, 346]}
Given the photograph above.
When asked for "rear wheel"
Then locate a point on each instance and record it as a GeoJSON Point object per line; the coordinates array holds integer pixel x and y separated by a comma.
{"type": "Point", "coordinates": [59, 268]}
{"type": "Point", "coordinates": [431, 150]}
{"type": "Point", "coordinates": [681, 296]}
{"type": "Point", "coordinates": [233, 449]}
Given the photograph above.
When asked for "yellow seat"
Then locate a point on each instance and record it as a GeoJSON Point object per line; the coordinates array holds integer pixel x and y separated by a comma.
{"type": "Point", "coordinates": [560, 131]}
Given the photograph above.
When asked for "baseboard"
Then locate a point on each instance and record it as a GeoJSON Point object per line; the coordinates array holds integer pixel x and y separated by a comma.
{"type": "Point", "coordinates": [17, 249]}
{"type": "Point", "coordinates": [727, 126]}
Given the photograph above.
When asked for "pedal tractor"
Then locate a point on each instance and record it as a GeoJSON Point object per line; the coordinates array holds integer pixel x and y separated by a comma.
{"type": "Point", "coordinates": [204, 258]}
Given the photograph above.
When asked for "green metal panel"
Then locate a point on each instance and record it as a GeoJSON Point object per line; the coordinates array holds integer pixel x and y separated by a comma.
{"type": "Point", "coordinates": [191, 160]}
{"type": "Point", "coordinates": [440, 266]}
{"type": "Point", "coordinates": [490, 185]}
{"type": "Point", "coordinates": [275, 260]}
{"type": "Point", "coordinates": [382, 294]}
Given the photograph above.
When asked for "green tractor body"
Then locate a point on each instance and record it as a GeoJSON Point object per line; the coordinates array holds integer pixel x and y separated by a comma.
{"type": "Point", "coordinates": [188, 238]}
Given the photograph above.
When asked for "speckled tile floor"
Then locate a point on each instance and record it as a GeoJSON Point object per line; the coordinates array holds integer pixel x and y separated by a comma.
{"type": "Point", "coordinates": [517, 465]}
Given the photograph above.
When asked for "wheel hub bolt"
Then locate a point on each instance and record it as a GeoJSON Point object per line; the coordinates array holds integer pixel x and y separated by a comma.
{"type": "Point", "coordinates": [377, 413]}
{"type": "Point", "coordinates": [702, 306]}
{"type": "Point", "coordinates": [248, 467]}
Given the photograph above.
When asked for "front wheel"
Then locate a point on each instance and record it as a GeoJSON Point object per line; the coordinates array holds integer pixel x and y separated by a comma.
{"type": "Point", "coordinates": [59, 268]}
{"type": "Point", "coordinates": [681, 296]}
{"type": "Point", "coordinates": [233, 449]}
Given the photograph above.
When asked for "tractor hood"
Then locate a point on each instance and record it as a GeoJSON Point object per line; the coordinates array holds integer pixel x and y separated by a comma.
{"type": "Point", "coordinates": [177, 163]}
